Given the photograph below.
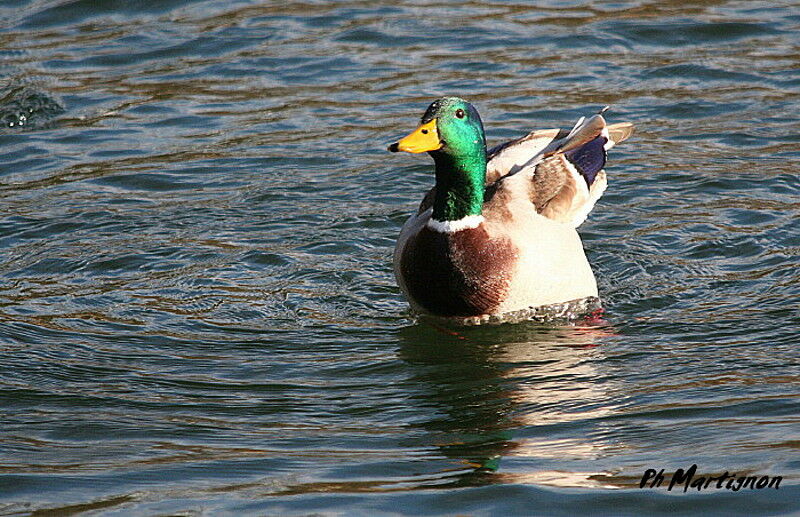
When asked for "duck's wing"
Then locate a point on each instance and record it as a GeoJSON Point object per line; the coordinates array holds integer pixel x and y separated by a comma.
{"type": "Point", "coordinates": [510, 157]}
{"type": "Point", "coordinates": [565, 178]}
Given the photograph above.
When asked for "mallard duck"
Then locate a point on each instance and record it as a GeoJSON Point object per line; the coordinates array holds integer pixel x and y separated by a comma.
{"type": "Point", "coordinates": [495, 239]}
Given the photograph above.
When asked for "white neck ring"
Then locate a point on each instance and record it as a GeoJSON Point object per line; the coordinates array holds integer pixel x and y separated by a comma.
{"type": "Point", "coordinates": [465, 223]}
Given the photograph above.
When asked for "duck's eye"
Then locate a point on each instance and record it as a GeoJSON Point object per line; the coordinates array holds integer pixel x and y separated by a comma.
{"type": "Point", "coordinates": [460, 113]}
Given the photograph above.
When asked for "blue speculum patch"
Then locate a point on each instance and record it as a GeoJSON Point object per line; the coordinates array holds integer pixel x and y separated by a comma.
{"type": "Point", "coordinates": [589, 158]}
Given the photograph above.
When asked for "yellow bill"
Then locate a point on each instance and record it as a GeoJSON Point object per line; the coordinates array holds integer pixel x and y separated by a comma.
{"type": "Point", "coordinates": [424, 138]}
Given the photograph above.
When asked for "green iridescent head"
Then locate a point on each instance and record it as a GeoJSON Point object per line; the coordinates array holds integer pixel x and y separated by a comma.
{"type": "Point", "coordinates": [449, 126]}
{"type": "Point", "coordinates": [451, 131]}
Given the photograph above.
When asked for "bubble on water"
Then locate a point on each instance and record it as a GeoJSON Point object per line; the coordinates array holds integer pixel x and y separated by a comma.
{"type": "Point", "coordinates": [25, 105]}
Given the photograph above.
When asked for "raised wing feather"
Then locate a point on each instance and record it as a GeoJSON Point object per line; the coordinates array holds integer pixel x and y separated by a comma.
{"type": "Point", "coordinates": [510, 157]}
{"type": "Point", "coordinates": [565, 178]}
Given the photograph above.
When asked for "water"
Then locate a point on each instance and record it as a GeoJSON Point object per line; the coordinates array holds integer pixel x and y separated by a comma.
{"type": "Point", "coordinates": [197, 310]}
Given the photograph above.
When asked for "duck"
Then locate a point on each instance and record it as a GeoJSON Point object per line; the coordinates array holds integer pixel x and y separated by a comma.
{"type": "Point", "coordinates": [495, 240]}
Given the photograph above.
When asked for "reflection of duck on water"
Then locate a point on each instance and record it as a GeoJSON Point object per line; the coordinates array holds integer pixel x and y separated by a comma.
{"type": "Point", "coordinates": [526, 394]}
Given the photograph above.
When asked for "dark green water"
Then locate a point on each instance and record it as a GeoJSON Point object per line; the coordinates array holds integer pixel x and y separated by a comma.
{"type": "Point", "coordinates": [197, 309]}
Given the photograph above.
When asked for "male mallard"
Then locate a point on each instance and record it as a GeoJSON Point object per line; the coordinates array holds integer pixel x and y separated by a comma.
{"type": "Point", "coordinates": [495, 239]}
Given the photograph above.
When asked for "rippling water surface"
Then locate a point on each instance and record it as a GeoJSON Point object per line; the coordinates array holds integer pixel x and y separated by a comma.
{"type": "Point", "coordinates": [197, 212]}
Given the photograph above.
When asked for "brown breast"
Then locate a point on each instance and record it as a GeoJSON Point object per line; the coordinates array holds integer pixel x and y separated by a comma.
{"type": "Point", "coordinates": [466, 273]}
